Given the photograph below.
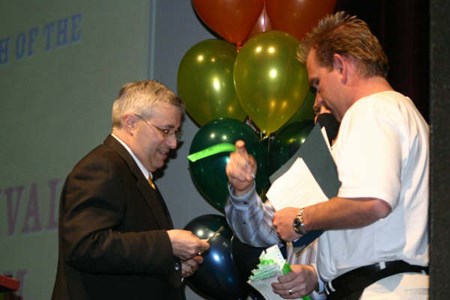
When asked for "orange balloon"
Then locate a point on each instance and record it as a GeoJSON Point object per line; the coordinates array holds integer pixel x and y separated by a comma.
{"type": "Point", "coordinates": [233, 20]}
{"type": "Point", "coordinates": [297, 17]}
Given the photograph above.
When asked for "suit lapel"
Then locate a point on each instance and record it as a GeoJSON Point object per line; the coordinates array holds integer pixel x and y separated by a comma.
{"type": "Point", "coordinates": [156, 202]}
{"type": "Point", "coordinates": [152, 197]}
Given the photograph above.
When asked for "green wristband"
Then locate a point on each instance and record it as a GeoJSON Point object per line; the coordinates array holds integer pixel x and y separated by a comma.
{"type": "Point", "coordinates": [218, 148]}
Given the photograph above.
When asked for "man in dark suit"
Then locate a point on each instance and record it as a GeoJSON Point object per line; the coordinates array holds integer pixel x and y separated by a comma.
{"type": "Point", "coordinates": [116, 237]}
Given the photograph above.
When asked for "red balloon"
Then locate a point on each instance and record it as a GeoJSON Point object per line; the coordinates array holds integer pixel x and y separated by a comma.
{"type": "Point", "coordinates": [233, 20]}
{"type": "Point", "coordinates": [297, 17]}
{"type": "Point", "coordinates": [262, 24]}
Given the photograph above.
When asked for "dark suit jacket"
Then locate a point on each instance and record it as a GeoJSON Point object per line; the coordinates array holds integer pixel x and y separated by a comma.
{"type": "Point", "coordinates": [112, 232]}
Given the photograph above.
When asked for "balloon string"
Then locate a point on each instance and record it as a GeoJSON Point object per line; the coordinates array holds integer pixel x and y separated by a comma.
{"type": "Point", "coordinates": [218, 148]}
{"type": "Point", "coordinates": [238, 46]}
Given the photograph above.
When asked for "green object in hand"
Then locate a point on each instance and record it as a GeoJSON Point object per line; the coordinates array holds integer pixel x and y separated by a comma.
{"type": "Point", "coordinates": [286, 269]}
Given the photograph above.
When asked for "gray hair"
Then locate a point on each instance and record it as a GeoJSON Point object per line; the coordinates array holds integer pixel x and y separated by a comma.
{"type": "Point", "coordinates": [140, 97]}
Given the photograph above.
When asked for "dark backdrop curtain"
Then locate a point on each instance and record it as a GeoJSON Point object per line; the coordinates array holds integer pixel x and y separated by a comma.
{"type": "Point", "coordinates": [402, 26]}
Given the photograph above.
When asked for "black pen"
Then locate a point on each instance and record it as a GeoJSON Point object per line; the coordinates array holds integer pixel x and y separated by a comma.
{"type": "Point", "coordinates": [211, 237]}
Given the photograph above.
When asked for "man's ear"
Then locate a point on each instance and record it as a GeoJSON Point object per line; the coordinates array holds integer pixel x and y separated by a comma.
{"type": "Point", "coordinates": [338, 62]}
{"type": "Point", "coordinates": [128, 122]}
{"type": "Point", "coordinates": [340, 65]}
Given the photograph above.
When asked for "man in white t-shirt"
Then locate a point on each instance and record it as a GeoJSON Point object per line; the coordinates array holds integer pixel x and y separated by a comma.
{"type": "Point", "coordinates": [376, 242]}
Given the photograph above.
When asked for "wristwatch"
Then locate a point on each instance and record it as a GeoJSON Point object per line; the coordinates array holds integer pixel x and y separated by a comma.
{"type": "Point", "coordinates": [298, 225]}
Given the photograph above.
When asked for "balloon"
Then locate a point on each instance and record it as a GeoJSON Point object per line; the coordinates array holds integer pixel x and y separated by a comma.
{"type": "Point", "coordinates": [262, 24]}
{"type": "Point", "coordinates": [208, 174]}
{"type": "Point", "coordinates": [233, 20]}
{"type": "Point", "coordinates": [306, 110]}
{"type": "Point", "coordinates": [216, 277]}
{"type": "Point", "coordinates": [270, 82]}
{"type": "Point", "coordinates": [297, 17]}
{"type": "Point", "coordinates": [205, 82]}
{"type": "Point", "coordinates": [286, 142]}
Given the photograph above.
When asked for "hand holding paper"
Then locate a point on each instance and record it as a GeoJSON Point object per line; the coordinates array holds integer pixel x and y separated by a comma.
{"type": "Point", "coordinates": [271, 266]}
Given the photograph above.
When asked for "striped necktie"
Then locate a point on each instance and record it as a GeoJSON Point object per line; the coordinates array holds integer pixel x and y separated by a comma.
{"type": "Point", "coordinates": [150, 181]}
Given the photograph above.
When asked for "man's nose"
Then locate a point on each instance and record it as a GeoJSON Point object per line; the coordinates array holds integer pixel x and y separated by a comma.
{"type": "Point", "coordinates": [318, 101]}
{"type": "Point", "coordinates": [172, 141]}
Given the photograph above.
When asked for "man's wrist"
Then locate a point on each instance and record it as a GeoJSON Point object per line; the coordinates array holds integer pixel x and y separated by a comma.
{"type": "Point", "coordinates": [241, 194]}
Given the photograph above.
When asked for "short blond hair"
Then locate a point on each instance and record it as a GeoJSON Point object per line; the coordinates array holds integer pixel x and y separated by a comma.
{"type": "Point", "coordinates": [350, 37]}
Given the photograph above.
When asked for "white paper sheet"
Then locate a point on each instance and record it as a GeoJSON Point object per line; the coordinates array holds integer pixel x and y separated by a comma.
{"type": "Point", "coordinates": [295, 188]}
{"type": "Point", "coordinates": [264, 287]}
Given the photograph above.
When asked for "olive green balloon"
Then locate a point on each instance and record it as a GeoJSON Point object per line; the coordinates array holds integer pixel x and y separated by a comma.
{"type": "Point", "coordinates": [205, 82]}
{"type": "Point", "coordinates": [305, 112]}
{"type": "Point", "coordinates": [270, 82]}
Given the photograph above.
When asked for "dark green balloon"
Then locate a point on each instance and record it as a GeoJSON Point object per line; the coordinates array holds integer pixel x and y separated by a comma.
{"type": "Point", "coordinates": [208, 174]}
{"type": "Point", "coordinates": [286, 142]}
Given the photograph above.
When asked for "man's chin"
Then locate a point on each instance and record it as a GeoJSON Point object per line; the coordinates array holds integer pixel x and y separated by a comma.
{"type": "Point", "coordinates": [160, 162]}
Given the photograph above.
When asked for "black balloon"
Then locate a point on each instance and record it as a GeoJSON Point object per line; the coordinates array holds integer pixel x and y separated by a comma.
{"type": "Point", "coordinates": [217, 277]}
{"type": "Point", "coordinates": [245, 258]}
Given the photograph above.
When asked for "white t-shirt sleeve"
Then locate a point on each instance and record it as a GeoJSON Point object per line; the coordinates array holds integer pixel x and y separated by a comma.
{"type": "Point", "coordinates": [370, 159]}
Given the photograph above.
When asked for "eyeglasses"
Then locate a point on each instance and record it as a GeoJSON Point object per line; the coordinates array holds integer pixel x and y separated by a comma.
{"type": "Point", "coordinates": [166, 133]}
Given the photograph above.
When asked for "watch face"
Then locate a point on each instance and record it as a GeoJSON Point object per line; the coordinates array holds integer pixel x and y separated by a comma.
{"type": "Point", "coordinates": [297, 225]}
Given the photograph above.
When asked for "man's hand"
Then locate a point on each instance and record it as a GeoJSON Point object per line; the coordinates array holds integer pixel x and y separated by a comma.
{"type": "Point", "coordinates": [188, 267]}
{"type": "Point", "coordinates": [185, 244]}
{"type": "Point", "coordinates": [298, 283]}
{"type": "Point", "coordinates": [241, 169]}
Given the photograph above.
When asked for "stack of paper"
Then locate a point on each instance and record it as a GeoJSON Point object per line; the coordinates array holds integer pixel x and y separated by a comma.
{"type": "Point", "coordinates": [316, 155]}
{"type": "Point", "coordinates": [271, 266]}
{"type": "Point", "coordinates": [309, 177]}
{"type": "Point", "coordinates": [271, 263]}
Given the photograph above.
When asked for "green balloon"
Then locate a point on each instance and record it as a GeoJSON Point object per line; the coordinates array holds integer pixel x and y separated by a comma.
{"type": "Point", "coordinates": [205, 82]}
{"type": "Point", "coordinates": [286, 141]}
{"type": "Point", "coordinates": [208, 174]}
{"type": "Point", "coordinates": [270, 82]}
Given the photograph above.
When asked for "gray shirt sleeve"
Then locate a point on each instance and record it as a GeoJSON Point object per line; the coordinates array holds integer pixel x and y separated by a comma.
{"type": "Point", "coordinates": [251, 219]}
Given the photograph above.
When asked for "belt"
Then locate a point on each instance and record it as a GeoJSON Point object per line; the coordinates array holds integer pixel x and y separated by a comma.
{"type": "Point", "coordinates": [350, 285]}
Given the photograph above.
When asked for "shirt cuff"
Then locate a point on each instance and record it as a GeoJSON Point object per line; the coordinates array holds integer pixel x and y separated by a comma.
{"type": "Point", "coordinates": [241, 200]}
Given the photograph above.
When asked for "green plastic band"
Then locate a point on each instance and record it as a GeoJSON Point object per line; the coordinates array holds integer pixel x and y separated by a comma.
{"type": "Point", "coordinates": [219, 148]}
{"type": "Point", "coordinates": [286, 268]}
{"type": "Point", "coordinates": [267, 262]}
